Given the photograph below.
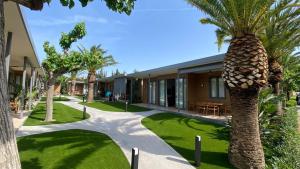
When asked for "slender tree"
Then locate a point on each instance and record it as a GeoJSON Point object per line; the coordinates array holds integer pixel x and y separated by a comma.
{"type": "Point", "coordinates": [9, 158]}
{"type": "Point", "coordinates": [95, 58]}
{"type": "Point", "coordinates": [245, 70]}
{"type": "Point", "coordinates": [73, 82]}
{"type": "Point", "coordinates": [56, 64]}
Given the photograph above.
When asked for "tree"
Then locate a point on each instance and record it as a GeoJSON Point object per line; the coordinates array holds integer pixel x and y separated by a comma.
{"type": "Point", "coordinates": [245, 70]}
{"type": "Point", "coordinates": [117, 72]}
{"type": "Point", "coordinates": [291, 71]}
{"type": "Point", "coordinates": [73, 82]}
{"type": "Point", "coordinates": [94, 59]}
{"type": "Point", "coordinates": [56, 64]}
{"type": "Point", "coordinates": [280, 37]}
{"type": "Point", "coordinates": [63, 83]}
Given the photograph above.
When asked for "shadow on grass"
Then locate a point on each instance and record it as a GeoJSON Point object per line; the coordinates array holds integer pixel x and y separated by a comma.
{"type": "Point", "coordinates": [63, 149]}
{"type": "Point", "coordinates": [33, 163]}
{"type": "Point", "coordinates": [56, 99]}
{"type": "Point", "coordinates": [179, 132]}
{"type": "Point", "coordinates": [115, 106]}
{"type": "Point", "coordinates": [213, 158]}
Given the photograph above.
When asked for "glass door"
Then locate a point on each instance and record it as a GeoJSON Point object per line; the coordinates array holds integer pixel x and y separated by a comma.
{"type": "Point", "coordinates": [152, 92]}
{"type": "Point", "coordinates": [162, 93]}
{"type": "Point", "coordinates": [180, 93]}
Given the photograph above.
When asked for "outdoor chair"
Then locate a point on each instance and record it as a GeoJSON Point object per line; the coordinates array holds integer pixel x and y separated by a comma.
{"type": "Point", "coordinates": [201, 108]}
{"type": "Point", "coordinates": [213, 108]}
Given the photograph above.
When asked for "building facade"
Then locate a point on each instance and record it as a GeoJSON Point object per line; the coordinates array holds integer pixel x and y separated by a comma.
{"type": "Point", "coordinates": [186, 86]}
{"type": "Point", "coordinates": [23, 70]}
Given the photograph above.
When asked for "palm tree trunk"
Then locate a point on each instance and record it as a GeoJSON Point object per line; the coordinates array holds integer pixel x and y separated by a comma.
{"type": "Point", "coordinates": [73, 87]}
{"type": "Point", "coordinates": [275, 76]}
{"type": "Point", "coordinates": [245, 150]}
{"type": "Point", "coordinates": [9, 156]}
{"type": "Point", "coordinates": [49, 101]}
{"type": "Point", "coordinates": [91, 81]}
{"type": "Point", "coordinates": [245, 72]}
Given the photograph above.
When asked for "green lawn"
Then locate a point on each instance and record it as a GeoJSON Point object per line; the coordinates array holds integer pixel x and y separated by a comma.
{"type": "Point", "coordinates": [61, 114]}
{"type": "Point", "coordinates": [56, 99]}
{"type": "Point", "coordinates": [114, 106]}
{"type": "Point", "coordinates": [179, 132]}
{"type": "Point", "coordinates": [71, 149]}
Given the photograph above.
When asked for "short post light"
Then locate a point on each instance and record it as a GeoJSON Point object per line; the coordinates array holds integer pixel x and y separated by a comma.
{"type": "Point", "coordinates": [83, 98]}
{"type": "Point", "coordinates": [84, 112]}
{"type": "Point", "coordinates": [198, 151]}
{"type": "Point", "coordinates": [135, 158]}
{"type": "Point", "coordinates": [126, 107]}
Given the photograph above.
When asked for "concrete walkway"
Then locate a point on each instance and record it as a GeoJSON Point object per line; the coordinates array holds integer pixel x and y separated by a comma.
{"type": "Point", "coordinates": [127, 131]}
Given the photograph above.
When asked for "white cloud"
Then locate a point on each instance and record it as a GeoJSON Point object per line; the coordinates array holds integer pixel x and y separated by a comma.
{"type": "Point", "coordinates": [68, 20]}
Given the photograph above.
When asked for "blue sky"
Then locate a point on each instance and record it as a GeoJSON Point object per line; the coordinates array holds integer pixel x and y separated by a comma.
{"type": "Point", "coordinates": [157, 33]}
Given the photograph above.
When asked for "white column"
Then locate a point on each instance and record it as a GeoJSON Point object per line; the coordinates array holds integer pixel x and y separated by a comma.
{"type": "Point", "coordinates": [32, 78]}
{"type": "Point", "coordinates": [23, 87]}
{"type": "Point", "coordinates": [131, 91]}
{"type": "Point", "coordinates": [8, 52]}
{"type": "Point", "coordinates": [149, 92]}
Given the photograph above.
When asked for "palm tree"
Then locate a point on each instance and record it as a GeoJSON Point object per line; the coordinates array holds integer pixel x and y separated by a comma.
{"type": "Point", "coordinates": [291, 70]}
{"type": "Point", "coordinates": [280, 39]}
{"type": "Point", "coordinates": [245, 70]}
{"type": "Point", "coordinates": [94, 59]}
{"type": "Point", "coordinates": [73, 82]}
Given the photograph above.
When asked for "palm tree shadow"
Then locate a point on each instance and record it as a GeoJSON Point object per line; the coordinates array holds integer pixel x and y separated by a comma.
{"type": "Point", "coordinates": [213, 158]}
{"type": "Point", "coordinates": [33, 163]}
{"type": "Point", "coordinates": [70, 140]}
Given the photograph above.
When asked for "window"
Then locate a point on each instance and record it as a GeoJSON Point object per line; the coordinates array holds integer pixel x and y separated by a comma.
{"type": "Point", "coordinates": [217, 89]}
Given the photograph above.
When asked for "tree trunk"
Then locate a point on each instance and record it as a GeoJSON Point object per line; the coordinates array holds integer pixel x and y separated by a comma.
{"type": "Point", "coordinates": [275, 76]}
{"type": "Point", "coordinates": [91, 81]}
{"type": "Point", "coordinates": [245, 72]}
{"type": "Point", "coordinates": [9, 156]}
{"type": "Point", "coordinates": [73, 87]}
{"type": "Point", "coordinates": [245, 150]}
{"type": "Point", "coordinates": [276, 87]}
{"type": "Point", "coordinates": [49, 102]}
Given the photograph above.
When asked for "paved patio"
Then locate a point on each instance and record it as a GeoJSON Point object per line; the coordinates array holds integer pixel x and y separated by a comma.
{"type": "Point", "coordinates": [214, 119]}
{"type": "Point", "coordinates": [127, 131]}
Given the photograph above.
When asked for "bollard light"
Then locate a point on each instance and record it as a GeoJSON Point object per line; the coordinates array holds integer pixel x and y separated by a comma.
{"type": "Point", "coordinates": [84, 112]}
{"type": "Point", "coordinates": [198, 151]}
{"type": "Point", "coordinates": [135, 158]}
{"type": "Point", "coordinates": [126, 106]}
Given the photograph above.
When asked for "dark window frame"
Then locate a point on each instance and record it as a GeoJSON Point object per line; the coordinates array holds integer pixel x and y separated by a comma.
{"type": "Point", "coordinates": [217, 87]}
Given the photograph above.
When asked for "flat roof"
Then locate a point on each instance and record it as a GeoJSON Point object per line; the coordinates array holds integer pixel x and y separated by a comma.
{"type": "Point", "coordinates": [206, 64]}
{"type": "Point", "coordinates": [211, 63]}
{"type": "Point", "coordinates": [22, 43]}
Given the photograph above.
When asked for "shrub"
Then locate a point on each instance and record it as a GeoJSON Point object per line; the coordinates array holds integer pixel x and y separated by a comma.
{"type": "Point", "coordinates": [291, 103]}
{"type": "Point", "coordinates": [282, 146]}
{"type": "Point", "coordinates": [279, 133]}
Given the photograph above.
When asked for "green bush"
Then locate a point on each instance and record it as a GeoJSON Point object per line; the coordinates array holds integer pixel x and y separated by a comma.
{"type": "Point", "coordinates": [279, 133]}
{"type": "Point", "coordinates": [291, 103]}
{"type": "Point", "coordinates": [283, 144]}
